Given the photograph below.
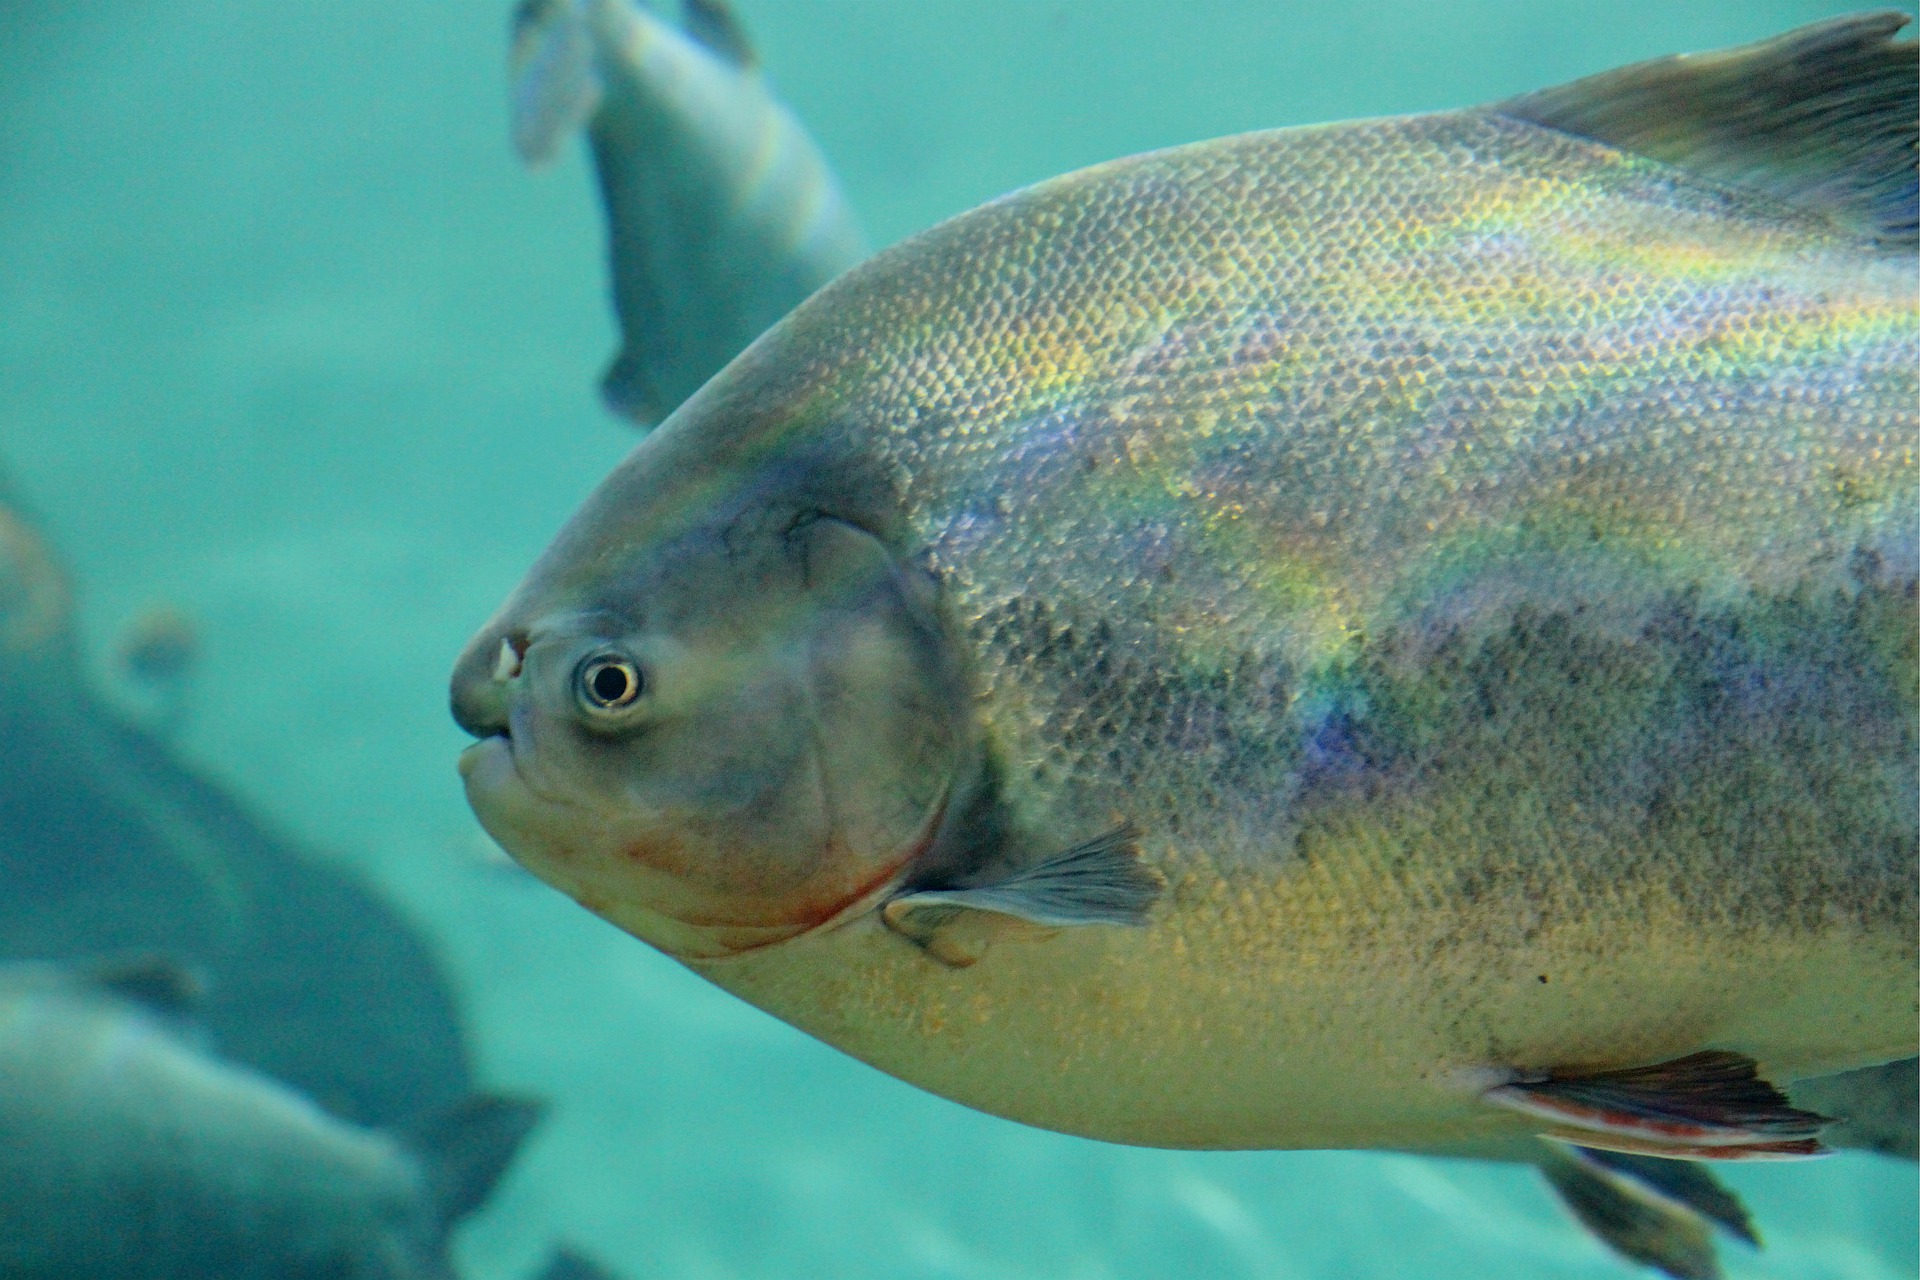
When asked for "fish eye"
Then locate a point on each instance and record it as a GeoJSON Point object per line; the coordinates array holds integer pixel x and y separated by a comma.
{"type": "Point", "coordinates": [609, 682]}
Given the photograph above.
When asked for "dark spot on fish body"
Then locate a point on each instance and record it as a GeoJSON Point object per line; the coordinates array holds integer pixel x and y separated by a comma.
{"type": "Point", "coordinates": [1742, 761]}
{"type": "Point", "coordinates": [1125, 725]}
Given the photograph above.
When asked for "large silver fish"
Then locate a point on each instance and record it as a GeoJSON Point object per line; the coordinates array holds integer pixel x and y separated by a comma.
{"type": "Point", "coordinates": [1393, 634]}
{"type": "Point", "coordinates": [126, 1151]}
{"type": "Point", "coordinates": [722, 214]}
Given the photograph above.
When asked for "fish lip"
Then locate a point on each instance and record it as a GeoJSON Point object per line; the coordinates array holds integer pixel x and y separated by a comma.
{"type": "Point", "coordinates": [475, 755]}
{"type": "Point", "coordinates": [507, 738]}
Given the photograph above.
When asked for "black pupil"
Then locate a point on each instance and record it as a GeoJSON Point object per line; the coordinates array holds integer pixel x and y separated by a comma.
{"type": "Point", "coordinates": [611, 683]}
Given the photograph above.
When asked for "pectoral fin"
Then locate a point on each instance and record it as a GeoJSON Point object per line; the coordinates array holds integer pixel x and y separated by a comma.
{"type": "Point", "coordinates": [1100, 882]}
{"type": "Point", "coordinates": [1707, 1106]}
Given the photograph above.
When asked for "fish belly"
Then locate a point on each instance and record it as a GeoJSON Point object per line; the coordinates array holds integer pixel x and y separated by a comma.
{"type": "Point", "coordinates": [1340, 1006]}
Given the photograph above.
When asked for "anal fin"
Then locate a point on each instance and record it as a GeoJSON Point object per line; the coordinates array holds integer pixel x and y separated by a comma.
{"type": "Point", "coordinates": [1656, 1212]}
{"type": "Point", "coordinates": [1706, 1106]}
{"type": "Point", "coordinates": [1102, 881]}
{"type": "Point", "coordinates": [1681, 1186]}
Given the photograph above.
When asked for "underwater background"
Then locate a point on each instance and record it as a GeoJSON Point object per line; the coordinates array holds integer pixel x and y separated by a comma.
{"type": "Point", "coordinates": [291, 342]}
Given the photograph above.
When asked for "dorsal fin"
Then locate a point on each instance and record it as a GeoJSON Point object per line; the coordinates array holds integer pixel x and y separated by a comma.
{"type": "Point", "coordinates": [158, 984]}
{"type": "Point", "coordinates": [1825, 117]}
{"type": "Point", "coordinates": [713, 24]}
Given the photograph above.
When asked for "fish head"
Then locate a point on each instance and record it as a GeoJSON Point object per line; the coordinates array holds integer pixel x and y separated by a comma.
{"type": "Point", "coordinates": [719, 712]}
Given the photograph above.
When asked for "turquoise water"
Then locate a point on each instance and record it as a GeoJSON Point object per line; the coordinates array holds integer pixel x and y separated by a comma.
{"type": "Point", "coordinates": [289, 340]}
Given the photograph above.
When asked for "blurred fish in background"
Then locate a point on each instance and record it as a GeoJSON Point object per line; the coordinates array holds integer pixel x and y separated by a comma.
{"type": "Point", "coordinates": [126, 1150]}
{"type": "Point", "coordinates": [110, 844]}
{"type": "Point", "coordinates": [157, 653]}
{"type": "Point", "coordinates": [287, 1095]}
{"type": "Point", "coordinates": [722, 214]}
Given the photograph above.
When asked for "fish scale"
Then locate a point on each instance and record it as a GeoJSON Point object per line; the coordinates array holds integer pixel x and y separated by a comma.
{"type": "Point", "coordinates": [1259, 450]}
{"type": "Point", "coordinates": [1563, 410]}
{"type": "Point", "coordinates": [1240, 468]}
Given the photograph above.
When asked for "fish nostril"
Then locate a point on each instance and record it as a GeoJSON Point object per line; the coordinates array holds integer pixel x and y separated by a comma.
{"type": "Point", "coordinates": [481, 684]}
{"type": "Point", "coordinates": [506, 664]}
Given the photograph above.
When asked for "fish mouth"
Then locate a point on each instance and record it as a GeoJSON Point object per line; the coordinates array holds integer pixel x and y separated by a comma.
{"type": "Point", "coordinates": [475, 757]}
{"type": "Point", "coordinates": [487, 769]}
{"type": "Point", "coordinates": [510, 808]}
{"type": "Point", "coordinates": [498, 756]}
{"type": "Point", "coordinates": [486, 683]}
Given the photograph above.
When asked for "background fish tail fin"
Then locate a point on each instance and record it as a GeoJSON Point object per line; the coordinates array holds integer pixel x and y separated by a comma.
{"type": "Point", "coordinates": [553, 86]}
{"type": "Point", "coordinates": [466, 1148]}
{"type": "Point", "coordinates": [1825, 117]}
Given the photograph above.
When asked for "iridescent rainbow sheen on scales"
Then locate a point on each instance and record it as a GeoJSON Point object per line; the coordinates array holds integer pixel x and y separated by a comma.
{"type": "Point", "coordinates": [1276, 398]}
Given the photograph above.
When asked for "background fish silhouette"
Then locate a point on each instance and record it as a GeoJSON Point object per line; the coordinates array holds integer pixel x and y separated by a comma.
{"type": "Point", "coordinates": [132, 1152]}
{"type": "Point", "coordinates": [722, 214]}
